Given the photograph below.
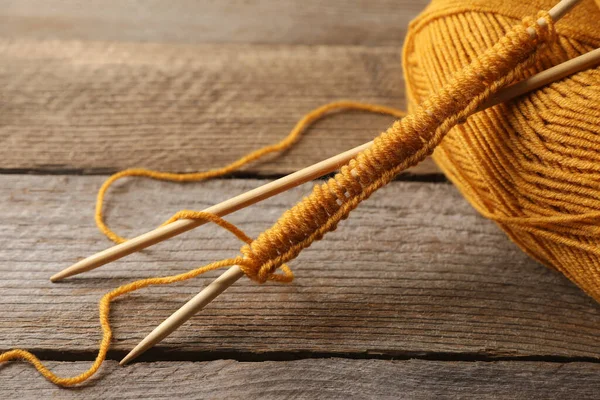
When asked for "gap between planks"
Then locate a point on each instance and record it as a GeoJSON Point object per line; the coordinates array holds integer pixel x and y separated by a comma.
{"type": "Point", "coordinates": [174, 355]}
{"type": "Point", "coordinates": [406, 176]}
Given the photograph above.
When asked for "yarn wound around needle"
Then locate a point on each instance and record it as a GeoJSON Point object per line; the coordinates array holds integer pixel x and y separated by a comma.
{"type": "Point", "coordinates": [531, 164]}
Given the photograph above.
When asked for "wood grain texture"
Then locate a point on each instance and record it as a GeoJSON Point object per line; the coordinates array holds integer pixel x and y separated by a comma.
{"type": "Point", "coordinates": [100, 107]}
{"type": "Point", "coordinates": [373, 22]}
{"type": "Point", "coordinates": [316, 378]}
{"type": "Point", "coordinates": [414, 272]}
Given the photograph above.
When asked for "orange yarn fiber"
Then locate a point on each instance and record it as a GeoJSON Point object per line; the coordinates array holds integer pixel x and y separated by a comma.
{"type": "Point", "coordinates": [108, 298]}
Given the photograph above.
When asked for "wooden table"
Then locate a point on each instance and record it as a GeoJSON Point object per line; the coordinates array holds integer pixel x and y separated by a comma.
{"type": "Point", "coordinates": [414, 296]}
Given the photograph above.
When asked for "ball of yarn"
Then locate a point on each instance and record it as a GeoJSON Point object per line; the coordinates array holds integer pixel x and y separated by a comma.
{"type": "Point", "coordinates": [532, 164]}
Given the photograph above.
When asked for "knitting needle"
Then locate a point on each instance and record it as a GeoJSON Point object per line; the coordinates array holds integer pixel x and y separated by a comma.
{"type": "Point", "coordinates": [186, 312]}
{"type": "Point", "coordinates": [561, 9]}
{"type": "Point", "coordinates": [297, 178]}
{"type": "Point", "coordinates": [223, 282]}
{"type": "Point", "coordinates": [550, 75]}
{"type": "Point", "coordinates": [236, 203]}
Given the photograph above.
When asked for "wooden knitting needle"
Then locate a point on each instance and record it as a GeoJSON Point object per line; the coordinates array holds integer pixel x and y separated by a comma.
{"type": "Point", "coordinates": [271, 189]}
{"type": "Point", "coordinates": [297, 178]}
{"type": "Point", "coordinates": [234, 273]}
{"type": "Point", "coordinates": [228, 206]}
{"type": "Point", "coordinates": [577, 64]}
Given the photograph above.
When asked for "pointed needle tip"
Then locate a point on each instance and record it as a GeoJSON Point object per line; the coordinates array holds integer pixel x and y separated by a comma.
{"type": "Point", "coordinates": [65, 273]}
{"type": "Point", "coordinates": [129, 357]}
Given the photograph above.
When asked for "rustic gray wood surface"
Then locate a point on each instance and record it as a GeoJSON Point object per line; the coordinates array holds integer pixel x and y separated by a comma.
{"type": "Point", "coordinates": [320, 378]}
{"type": "Point", "coordinates": [101, 107]}
{"type": "Point", "coordinates": [371, 22]}
{"type": "Point", "coordinates": [414, 296]}
{"type": "Point", "coordinates": [414, 271]}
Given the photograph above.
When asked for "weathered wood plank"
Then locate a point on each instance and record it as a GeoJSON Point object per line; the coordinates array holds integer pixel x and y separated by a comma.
{"type": "Point", "coordinates": [316, 378]}
{"type": "Point", "coordinates": [373, 22]}
{"type": "Point", "coordinates": [413, 271]}
{"type": "Point", "coordinates": [105, 106]}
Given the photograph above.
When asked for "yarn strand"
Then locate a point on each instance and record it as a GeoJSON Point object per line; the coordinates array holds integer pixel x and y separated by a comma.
{"type": "Point", "coordinates": [104, 306]}
{"type": "Point", "coordinates": [301, 126]}
{"type": "Point", "coordinates": [108, 298]}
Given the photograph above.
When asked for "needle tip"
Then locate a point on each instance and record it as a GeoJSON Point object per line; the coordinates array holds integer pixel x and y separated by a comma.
{"type": "Point", "coordinates": [74, 269]}
{"type": "Point", "coordinates": [125, 360]}
{"type": "Point", "coordinates": [56, 277]}
{"type": "Point", "coordinates": [137, 351]}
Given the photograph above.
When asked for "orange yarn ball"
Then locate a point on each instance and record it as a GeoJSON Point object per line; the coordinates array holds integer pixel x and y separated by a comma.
{"type": "Point", "coordinates": [533, 164]}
